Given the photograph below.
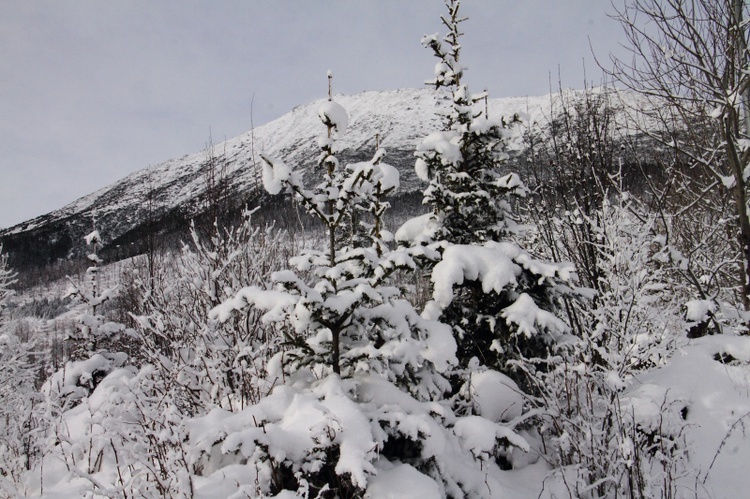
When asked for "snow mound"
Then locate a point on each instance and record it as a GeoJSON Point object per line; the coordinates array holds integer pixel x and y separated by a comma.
{"type": "Point", "coordinates": [402, 482]}
{"type": "Point", "coordinates": [494, 396]}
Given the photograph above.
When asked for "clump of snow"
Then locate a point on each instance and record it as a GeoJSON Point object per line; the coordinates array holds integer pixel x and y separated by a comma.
{"type": "Point", "coordinates": [528, 317]}
{"type": "Point", "coordinates": [275, 172]}
{"type": "Point", "coordinates": [334, 115]}
{"type": "Point", "coordinates": [496, 266]}
{"type": "Point", "coordinates": [93, 238]}
{"type": "Point", "coordinates": [699, 310]}
{"type": "Point", "coordinates": [389, 177]}
{"type": "Point", "coordinates": [482, 437]}
{"type": "Point", "coordinates": [494, 396]}
{"type": "Point", "coordinates": [728, 181]}
{"type": "Point", "coordinates": [422, 170]}
{"type": "Point", "coordinates": [614, 381]}
{"type": "Point", "coordinates": [418, 229]}
{"type": "Point", "coordinates": [94, 258]}
{"type": "Point", "coordinates": [274, 302]}
{"type": "Point", "coordinates": [78, 378]}
{"type": "Point", "coordinates": [491, 264]}
{"type": "Point", "coordinates": [444, 145]}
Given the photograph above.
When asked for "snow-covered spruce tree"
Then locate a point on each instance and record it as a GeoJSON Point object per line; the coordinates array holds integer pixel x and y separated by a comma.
{"type": "Point", "coordinates": [359, 396]}
{"type": "Point", "coordinates": [499, 299]}
{"type": "Point", "coordinates": [344, 317]}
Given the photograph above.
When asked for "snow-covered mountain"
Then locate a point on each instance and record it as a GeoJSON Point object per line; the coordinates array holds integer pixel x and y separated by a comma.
{"type": "Point", "coordinates": [401, 118]}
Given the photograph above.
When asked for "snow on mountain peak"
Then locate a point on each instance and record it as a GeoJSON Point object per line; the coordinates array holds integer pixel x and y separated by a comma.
{"type": "Point", "coordinates": [400, 118]}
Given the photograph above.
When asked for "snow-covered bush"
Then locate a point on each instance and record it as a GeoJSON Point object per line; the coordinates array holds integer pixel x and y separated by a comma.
{"type": "Point", "coordinates": [18, 445]}
{"type": "Point", "coordinates": [204, 362]}
{"type": "Point", "coordinates": [335, 437]}
{"type": "Point", "coordinates": [7, 279]}
{"type": "Point", "coordinates": [703, 263]}
{"type": "Point", "coordinates": [608, 435]}
{"type": "Point", "coordinates": [111, 428]}
{"type": "Point", "coordinates": [575, 161]}
{"type": "Point", "coordinates": [90, 358]}
{"type": "Point", "coordinates": [124, 439]}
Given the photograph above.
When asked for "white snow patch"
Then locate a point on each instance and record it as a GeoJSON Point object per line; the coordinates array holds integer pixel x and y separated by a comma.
{"type": "Point", "coordinates": [93, 238]}
{"type": "Point", "coordinates": [444, 144]}
{"type": "Point", "coordinates": [333, 114]}
{"type": "Point", "coordinates": [494, 396]}
{"type": "Point", "coordinates": [275, 172]}
{"type": "Point", "coordinates": [402, 481]}
{"type": "Point", "coordinates": [699, 310]}
{"type": "Point", "coordinates": [389, 177]}
{"type": "Point", "coordinates": [418, 229]}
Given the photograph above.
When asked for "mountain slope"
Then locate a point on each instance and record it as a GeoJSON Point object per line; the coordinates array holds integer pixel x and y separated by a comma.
{"type": "Point", "coordinates": [176, 190]}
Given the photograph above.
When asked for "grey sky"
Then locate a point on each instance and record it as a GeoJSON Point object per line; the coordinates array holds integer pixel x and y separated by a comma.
{"type": "Point", "coordinates": [91, 90]}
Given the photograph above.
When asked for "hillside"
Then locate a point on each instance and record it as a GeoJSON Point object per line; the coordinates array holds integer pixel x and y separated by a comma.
{"type": "Point", "coordinates": [165, 197]}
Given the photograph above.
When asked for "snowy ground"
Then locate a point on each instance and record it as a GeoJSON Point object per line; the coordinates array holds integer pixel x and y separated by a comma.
{"type": "Point", "coordinates": [715, 394]}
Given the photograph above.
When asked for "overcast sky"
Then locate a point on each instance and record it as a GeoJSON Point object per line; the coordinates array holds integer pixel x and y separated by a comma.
{"type": "Point", "coordinates": [92, 90]}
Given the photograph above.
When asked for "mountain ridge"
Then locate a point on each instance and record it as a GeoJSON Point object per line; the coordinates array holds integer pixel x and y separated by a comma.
{"type": "Point", "coordinates": [400, 118]}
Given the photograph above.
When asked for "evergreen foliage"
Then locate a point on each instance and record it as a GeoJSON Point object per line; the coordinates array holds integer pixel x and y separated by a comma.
{"type": "Point", "coordinates": [343, 314]}
{"type": "Point", "coordinates": [468, 192]}
{"type": "Point", "coordinates": [471, 201]}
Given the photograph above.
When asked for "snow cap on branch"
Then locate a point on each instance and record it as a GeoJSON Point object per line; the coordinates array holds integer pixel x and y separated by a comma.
{"type": "Point", "coordinates": [334, 115]}
{"type": "Point", "coordinates": [93, 238]}
{"type": "Point", "coordinates": [275, 172]}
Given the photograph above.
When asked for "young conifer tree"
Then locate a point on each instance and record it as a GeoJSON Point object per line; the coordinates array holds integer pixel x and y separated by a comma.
{"type": "Point", "coordinates": [346, 325]}
{"type": "Point", "coordinates": [342, 314]}
{"type": "Point", "coordinates": [468, 191]}
{"type": "Point", "coordinates": [499, 299]}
